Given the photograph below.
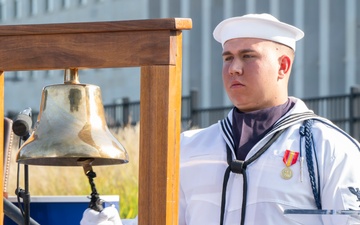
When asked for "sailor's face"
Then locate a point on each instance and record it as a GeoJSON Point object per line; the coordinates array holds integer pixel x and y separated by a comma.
{"type": "Point", "coordinates": [250, 72]}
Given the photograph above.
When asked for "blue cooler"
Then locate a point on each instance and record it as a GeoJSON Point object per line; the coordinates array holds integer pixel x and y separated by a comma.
{"type": "Point", "coordinates": [60, 210]}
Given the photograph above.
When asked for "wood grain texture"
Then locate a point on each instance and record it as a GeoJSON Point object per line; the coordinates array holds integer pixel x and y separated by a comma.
{"type": "Point", "coordinates": [97, 27]}
{"type": "Point", "coordinates": [159, 152]}
{"type": "Point", "coordinates": [89, 45]}
{"type": "Point", "coordinates": [160, 110]}
{"type": "Point", "coordinates": [85, 50]}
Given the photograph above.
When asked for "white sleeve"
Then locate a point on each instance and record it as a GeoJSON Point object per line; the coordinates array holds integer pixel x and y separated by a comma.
{"type": "Point", "coordinates": [340, 180]}
{"type": "Point", "coordinates": [182, 207]}
{"type": "Point", "coordinates": [130, 221]}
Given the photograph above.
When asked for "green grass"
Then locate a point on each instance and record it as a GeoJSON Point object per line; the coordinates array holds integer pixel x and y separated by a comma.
{"type": "Point", "coordinates": [121, 180]}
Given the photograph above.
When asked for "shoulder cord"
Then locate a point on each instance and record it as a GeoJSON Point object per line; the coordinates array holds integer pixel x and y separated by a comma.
{"type": "Point", "coordinates": [239, 167]}
{"type": "Point", "coordinates": [305, 131]}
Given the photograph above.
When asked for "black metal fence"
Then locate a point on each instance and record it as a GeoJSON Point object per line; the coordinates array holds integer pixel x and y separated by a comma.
{"type": "Point", "coordinates": [343, 110]}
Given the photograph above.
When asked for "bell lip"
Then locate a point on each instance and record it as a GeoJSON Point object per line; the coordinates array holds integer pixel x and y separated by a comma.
{"type": "Point", "coordinates": [70, 161]}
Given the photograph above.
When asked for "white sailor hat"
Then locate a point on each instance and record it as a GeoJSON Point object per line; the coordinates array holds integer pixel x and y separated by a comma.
{"type": "Point", "coordinates": [263, 26]}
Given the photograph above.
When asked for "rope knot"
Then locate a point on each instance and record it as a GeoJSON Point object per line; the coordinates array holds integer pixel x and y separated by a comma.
{"type": "Point", "coordinates": [302, 130]}
{"type": "Point", "coordinates": [237, 166]}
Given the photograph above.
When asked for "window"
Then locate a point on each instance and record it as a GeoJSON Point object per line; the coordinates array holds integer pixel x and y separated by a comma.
{"type": "Point", "coordinates": [49, 5]}
{"type": "Point", "coordinates": [17, 8]}
{"type": "Point", "coordinates": [2, 11]}
{"type": "Point", "coordinates": [66, 4]}
{"type": "Point", "coordinates": [82, 2]}
{"type": "Point", "coordinates": [33, 7]}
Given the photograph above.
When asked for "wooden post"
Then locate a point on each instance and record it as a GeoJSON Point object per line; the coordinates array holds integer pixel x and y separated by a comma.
{"type": "Point", "coordinates": [155, 46]}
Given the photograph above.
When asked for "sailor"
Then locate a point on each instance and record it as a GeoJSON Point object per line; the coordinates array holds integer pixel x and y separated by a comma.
{"type": "Point", "coordinates": [271, 153]}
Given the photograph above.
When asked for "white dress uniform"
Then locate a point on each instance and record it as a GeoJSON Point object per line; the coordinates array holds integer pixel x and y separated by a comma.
{"type": "Point", "coordinates": [268, 189]}
{"type": "Point", "coordinates": [204, 161]}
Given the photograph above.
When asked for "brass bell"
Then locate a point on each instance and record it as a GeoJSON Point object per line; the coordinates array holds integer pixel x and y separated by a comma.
{"type": "Point", "coordinates": [71, 128]}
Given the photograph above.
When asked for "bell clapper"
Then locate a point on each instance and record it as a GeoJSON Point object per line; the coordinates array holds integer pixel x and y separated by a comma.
{"type": "Point", "coordinates": [95, 202]}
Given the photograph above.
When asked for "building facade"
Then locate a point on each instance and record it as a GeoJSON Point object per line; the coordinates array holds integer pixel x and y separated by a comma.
{"type": "Point", "coordinates": [326, 60]}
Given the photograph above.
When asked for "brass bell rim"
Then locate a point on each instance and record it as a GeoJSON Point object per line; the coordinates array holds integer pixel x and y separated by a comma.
{"type": "Point", "coordinates": [70, 161]}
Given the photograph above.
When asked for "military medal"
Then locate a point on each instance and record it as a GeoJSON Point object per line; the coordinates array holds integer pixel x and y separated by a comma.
{"type": "Point", "coordinates": [286, 173]}
{"type": "Point", "coordinates": [289, 159]}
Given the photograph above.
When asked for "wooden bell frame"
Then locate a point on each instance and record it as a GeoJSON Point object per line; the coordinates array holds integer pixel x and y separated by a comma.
{"type": "Point", "coordinates": [155, 45]}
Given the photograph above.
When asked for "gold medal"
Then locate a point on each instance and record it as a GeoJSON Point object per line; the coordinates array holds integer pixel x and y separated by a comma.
{"type": "Point", "coordinates": [289, 159]}
{"type": "Point", "coordinates": [286, 173]}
